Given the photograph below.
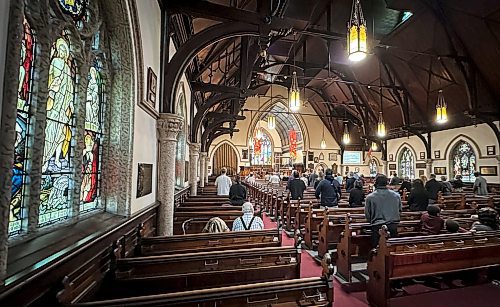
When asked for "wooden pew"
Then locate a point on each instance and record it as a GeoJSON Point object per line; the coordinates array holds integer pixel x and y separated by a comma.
{"type": "Point", "coordinates": [203, 242]}
{"type": "Point", "coordinates": [196, 221]}
{"type": "Point", "coordinates": [190, 271]}
{"type": "Point", "coordinates": [314, 291]}
{"type": "Point", "coordinates": [405, 258]}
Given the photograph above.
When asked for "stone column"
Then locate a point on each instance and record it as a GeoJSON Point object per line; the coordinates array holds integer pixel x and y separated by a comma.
{"type": "Point", "coordinates": [194, 154]}
{"type": "Point", "coordinates": [206, 169]}
{"type": "Point", "coordinates": [167, 126]}
{"type": "Point", "coordinates": [428, 166]}
{"type": "Point", "coordinates": [385, 171]}
{"type": "Point", "coordinates": [203, 168]}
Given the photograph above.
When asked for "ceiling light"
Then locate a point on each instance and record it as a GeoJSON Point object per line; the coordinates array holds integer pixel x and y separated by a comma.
{"type": "Point", "coordinates": [356, 34]}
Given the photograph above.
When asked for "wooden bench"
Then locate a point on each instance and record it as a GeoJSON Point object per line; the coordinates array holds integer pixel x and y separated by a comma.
{"type": "Point", "coordinates": [210, 242]}
{"type": "Point", "coordinates": [197, 220]}
{"type": "Point", "coordinates": [404, 258]}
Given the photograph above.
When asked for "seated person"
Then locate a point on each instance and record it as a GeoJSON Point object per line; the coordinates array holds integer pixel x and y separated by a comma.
{"type": "Point", "coordinates": [432, 223]}
{"type": "Point", "coordinates": [419, 197]}
{"type": "Point", "coordinates": [247, 221]}
{"type": "Point", "coordinates": [488, 220]}
{"type": "Point", "coordinates": [237, 192]}
{"type": "Point", "coordinates": [297, 187]}
{"type": "Point", "coordinates": [215, 225]}
{"type": "Point", "coordinates": [357, 195]}
{"type": "Point", "coordinates": [405, 185]}
{"type": "Point", "coordinates": [453, 227]}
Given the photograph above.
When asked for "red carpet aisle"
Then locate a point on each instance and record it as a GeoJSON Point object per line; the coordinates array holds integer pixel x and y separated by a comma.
{"type": "Point", "coordinates": [309, 268]}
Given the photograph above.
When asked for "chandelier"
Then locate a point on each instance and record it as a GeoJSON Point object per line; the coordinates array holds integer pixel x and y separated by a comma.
{"type": "Point", "coordinates": [356, 34]}
{"type": "Point", "coordinates": [323, 142]}
{"type": "Point", "coordinates": [294, 96]}
{"type": "Point", "coordinates": [346, 138]}
{"type": "Point", "coordinates": [441, 113]}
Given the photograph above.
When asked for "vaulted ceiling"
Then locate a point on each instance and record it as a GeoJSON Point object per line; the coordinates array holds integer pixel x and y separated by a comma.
{"type": "Point", "coordinates": [448, 45]}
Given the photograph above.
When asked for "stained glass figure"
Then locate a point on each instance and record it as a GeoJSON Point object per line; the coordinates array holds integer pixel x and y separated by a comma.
{"type": "Point", "coordinates": [57, 169]}
{"type": "Point", "coordinates": [373, 168]}
{"type": "Point", "coordinates": [262, 151]}
{"type": "Point", "coordinates": [75, 8]}
{"type": "Point", "coordinates": [464, 161]}
{"type": "Point", "coordinates": [23, 127]}
{"type": "Point", "coordinates": [407, 163]}
{"type": "Point", "coordinates": [91, 172]}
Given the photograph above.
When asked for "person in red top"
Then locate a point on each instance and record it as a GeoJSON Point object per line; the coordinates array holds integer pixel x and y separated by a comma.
{"type": "Point", "coordinates": [432, 223]}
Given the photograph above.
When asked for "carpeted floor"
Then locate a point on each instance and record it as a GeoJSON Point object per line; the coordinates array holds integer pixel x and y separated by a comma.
{"type": "Point", "coordinates": [483, 295]}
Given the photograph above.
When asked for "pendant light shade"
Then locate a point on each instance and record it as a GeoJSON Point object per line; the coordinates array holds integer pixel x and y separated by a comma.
{"type": "Point", "coordinates": [374, 146]}
{"type": "Point", "coordinates": [441, 112]}
{"type": "Point", "coordinates": [294, 96]}
{"type": "Point", "coordinates": [381, 131]}
{"type": "Point", "coordinates": [271, 122]}
{"type": "Point", "coordinates": [323, 142]}
{"type": "Point", "coordinates": [356, 34]}
{"type": "Point", "coordinates": [346, 138]}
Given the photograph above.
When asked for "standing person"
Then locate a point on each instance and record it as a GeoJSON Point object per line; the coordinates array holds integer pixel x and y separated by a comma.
{"type": "Point", "coordinates": [457, 184]}
{"type": "Point", "coordinates": [297, 187]}
{"type": "Point", "coordinates": [247, 221]}
{"type": "Point", "coordinates": [446, 186]}
{"type": "Point", "coordinates": [321, 176]}
{"type": "Point", "coordinates": [419, 197]}
{"type": "Point", "coordinates": [339, 178]}
{"type": "Point", "coordinates": [305, 179]}
{"type": "Point", "coordinates": [357, 195]}
{"type": "Point", "coordinates": [406, 184]}
{"type": "Point", "coordinates": [433, 188]}
{"type": "Point", "coordinates": [395, 179]}
{"type": "Point", "coordinates": [292, 175]}
{"type": "Point", "coordinates": [251, 178]}
{"type": "Point", "coordinates": [424, 179]}
{"type": "Point", "coordinates": [383, 207]}
{"type": "Point", "coordinates": [480, 185]}
{"type": "Point", "coordinates": [266, 177]}
{"type": "Point", "coordinates": [274, 179]}
{"type": "Point", "coordinates": [223, 183]}
{"type": "Point", "coordinates": [312, 178]}
{"type": "Point", "coordinates": [237, 192]}
{"type": "Point", "coordinates": [329, 190]}
{"type": "Point", "coordinates": [349, 183]}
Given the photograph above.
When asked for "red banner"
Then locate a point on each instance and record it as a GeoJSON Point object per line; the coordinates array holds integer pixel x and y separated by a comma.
{"type": "Point", "coordinates": [293, 144]}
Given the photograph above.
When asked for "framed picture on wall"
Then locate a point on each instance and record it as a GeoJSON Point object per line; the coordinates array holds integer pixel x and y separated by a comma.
{"type": "Point", "coordinates": [310, 156]}
{"type": "Point", "coordinates": [420, 165]}
{"type": "Point", "coordinates": [392, 167]}
{"type": "Point", "coordinates": [316, 160]}
{"type": "Point", "coordinates": [148, 104]}
{"type": "Point", "coordinates": [332, 156]}
{"type": "Point", "coordinates": [490, 150]}
{"type": "Point", "coordinates": [437, 154]}
{"type": "Point", "coordinates": [440, 170]}
{"type": "Point", "coordinates": [244, 154]}
{"type": "Point", "coordinates": [488, 170]}
{"type": "Point", "coordinates": [144, 179]}
{"type": "Point", "coordinates": [421, 172]}
{"type": "Point", "coordinates": [391, 157]}
{"type": "Point", "coordinates": [422, 155]}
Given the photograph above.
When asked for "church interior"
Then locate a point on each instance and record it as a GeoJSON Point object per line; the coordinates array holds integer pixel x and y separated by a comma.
{"type": "Point", "coordinates": [249, 153]}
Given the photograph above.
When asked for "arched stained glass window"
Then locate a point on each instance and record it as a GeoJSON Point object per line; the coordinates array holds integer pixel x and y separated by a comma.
{"type": "Point", "coordinates": [23, 128]}
{"type": "Point", "coordinates": [180, 155]}
{"type": "Point", "coordinates": [57, 169]}
{"type": "Point", "coordinates": [262, 150]}
{"type": "Point", "coordinates": [463, 161]}
{"type": "Point", "coordinates": [373, 168]}
{"type": "Point", "coordinates": [407, 163]}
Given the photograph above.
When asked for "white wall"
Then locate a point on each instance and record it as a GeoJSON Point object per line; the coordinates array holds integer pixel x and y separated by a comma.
{"type": "Point", "coordinates": [479, 137]}
{"type": "Point", "coordinates": [145, 141]}
{"type": "Point", "coordinates": [4, 22]}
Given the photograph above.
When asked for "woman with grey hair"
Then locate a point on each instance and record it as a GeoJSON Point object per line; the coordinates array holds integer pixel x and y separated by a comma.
{"type": "Point", "coordinates": [248, 221]}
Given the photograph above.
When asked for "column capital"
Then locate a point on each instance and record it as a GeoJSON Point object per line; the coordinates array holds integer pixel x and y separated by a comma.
{"type": "Point", "coordinates": [168, 126]}
{"type": "Point", "coordinates": [194, 148]}
{"type": "Point", "coordinates": [204, 154]}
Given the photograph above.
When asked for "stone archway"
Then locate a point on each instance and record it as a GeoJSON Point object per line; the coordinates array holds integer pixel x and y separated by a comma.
{"type": "Point", "coordinates": [225, 157]}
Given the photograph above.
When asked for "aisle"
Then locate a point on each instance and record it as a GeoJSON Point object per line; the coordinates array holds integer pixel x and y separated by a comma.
{"type": "Point", "coordinates": [310, 268]}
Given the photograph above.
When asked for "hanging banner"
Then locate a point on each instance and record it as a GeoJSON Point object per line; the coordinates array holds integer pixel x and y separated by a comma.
{"type": "Point", "coordinates": [293, 144]}
{"type": "Point", "coordinates": [257, 146]}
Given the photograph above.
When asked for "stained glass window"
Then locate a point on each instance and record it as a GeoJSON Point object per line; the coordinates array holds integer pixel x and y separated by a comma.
{"type": "Point", "coordinates": [75, 8]}
{"type": "Point", "coordinates": [407, 163]}
{"type": "Point", "coordinates": [57, 169]}
{"type": "Point", "coordinates": [464, 161]}
{"type": "Point", "coordinates": [91, 166]}
{"type": "Point", "coordinates": [180, 155]}
{"type": "Point", "coordinates": [262, 151]}
{"type": "Point", "coordinates": [373, 168]}
{"type": "Point", "coordinates": [23, 129]}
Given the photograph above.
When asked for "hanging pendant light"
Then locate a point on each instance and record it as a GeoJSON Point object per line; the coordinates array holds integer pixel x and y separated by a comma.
{"type": "Point", "coordinates": [374, 146]}
{"type": "Point", "coordinates": [294, 95]}
{"type": "Point", "coordinates": [346, 138]}
{"type": "Point", "coordinates": [441, 112]}
{"type": "Point", "coordinates": [381, 132]}
{"type": "Point", "coordinates": [271, 122]}
{"type": "Point", "coordinates": [323, 142]}
{"type": "Point", "coordinates": [356, 34]}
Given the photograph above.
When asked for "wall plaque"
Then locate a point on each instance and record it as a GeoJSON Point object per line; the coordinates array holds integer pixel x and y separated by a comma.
{"type": "Point", "coordinates": [440, 170]}
{"type": "Point", "coordinates": [420, 165]}
{"type": "Point", "coordinates": [392, 167]}
{"type": "Point", "coordinates": [488, 170]}
{"type": "Point", "coordinates": [144, 179]}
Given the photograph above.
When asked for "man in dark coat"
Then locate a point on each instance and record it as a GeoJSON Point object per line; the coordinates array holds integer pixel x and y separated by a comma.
{"type": "Point", "coordinates": [328, 190]}
{"type": "Point", "coordinates": [297, 187]}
